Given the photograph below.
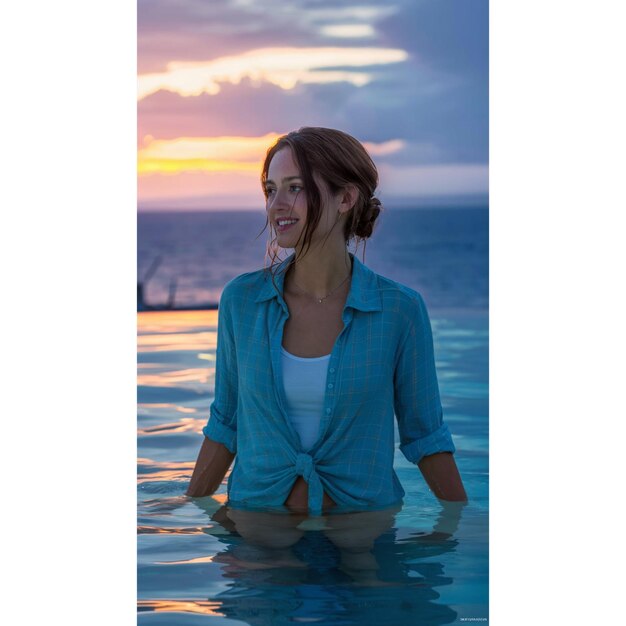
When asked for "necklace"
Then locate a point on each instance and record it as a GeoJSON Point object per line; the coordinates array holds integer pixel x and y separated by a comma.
{"type": "Point", "coordinates": [320, 300]}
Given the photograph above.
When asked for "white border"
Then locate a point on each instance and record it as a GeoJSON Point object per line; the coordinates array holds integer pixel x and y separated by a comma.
{"type": "Point", "coordinates": [557, 311]}
{"type": "Point", "coordinates": [68, 317]}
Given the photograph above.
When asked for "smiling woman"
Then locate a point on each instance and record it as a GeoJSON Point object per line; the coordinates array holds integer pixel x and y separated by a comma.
{"type": "Point", "coordinates": [317, 353]}
{"type": "Point", "coordinates": [326, 163]}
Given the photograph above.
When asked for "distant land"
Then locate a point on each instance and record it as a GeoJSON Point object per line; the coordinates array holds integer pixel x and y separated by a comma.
{"type": "Point", "coordinates": [231, 203]}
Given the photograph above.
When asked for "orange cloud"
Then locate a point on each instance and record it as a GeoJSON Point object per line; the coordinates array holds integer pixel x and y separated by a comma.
{"type": "Point", "coordinates": [208, 154]}
{"type": "Point", "coordinates": [218, 172]}
{"type": "Point", "coordinates": [221, 154]}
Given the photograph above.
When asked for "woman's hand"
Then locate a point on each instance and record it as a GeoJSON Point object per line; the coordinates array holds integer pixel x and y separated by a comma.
{"type": "Point", "coordinates": [213, 462]}
{"type": "Point", "coordinates": [443, 478]}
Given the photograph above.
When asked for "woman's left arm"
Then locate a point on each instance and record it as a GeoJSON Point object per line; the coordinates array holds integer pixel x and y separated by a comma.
{"type": "Point", "coordinates": [443, 478]}
{"type": "Point", "coordinates": [424, 437]}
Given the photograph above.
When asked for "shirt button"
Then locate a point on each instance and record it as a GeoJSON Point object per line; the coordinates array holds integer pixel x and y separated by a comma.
{"type": "Point", "coordinates": [332, 370]}
{"type": "Point", "coordinates": [330, 385]}
{"type": "Point", "coordinates": [327, 411]}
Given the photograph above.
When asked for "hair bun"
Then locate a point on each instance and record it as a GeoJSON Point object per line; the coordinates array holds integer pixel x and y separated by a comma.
{"type": "Point", "coordinates": [370, 213]}
{"type": "Point", "coordinates": [374, 206]}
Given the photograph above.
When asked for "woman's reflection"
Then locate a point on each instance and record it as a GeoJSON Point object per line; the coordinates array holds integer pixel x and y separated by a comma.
{"type": "Point", "coordinates": [324, 565]}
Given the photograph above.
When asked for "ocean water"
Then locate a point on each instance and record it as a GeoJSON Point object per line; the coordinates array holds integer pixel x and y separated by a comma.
{"type": "Point", "coordinates": [421, 564]}
{"type": "Point", "coordinates": [443, 253]}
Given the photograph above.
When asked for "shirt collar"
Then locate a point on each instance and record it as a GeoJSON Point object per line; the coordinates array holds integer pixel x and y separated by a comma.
{"type": "Point", "coordinates": [364, 294]}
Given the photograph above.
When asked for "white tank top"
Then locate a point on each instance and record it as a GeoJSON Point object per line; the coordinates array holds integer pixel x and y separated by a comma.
{"type": "Point", "coordinates": [304, 380]}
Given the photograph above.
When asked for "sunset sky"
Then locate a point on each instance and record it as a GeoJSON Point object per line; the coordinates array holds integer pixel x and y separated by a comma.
{"type": "Point", "coordinates": [220, 80]}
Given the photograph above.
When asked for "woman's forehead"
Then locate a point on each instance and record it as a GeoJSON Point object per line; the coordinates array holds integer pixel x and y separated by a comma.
{"type": "Point", "coordinates": [282, 165]}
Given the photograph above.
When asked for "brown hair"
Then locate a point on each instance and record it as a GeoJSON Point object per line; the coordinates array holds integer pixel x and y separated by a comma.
{"type": "Point", "coordinates": [338, 160]}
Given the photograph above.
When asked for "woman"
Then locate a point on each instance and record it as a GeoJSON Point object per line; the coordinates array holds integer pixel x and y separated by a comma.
{"type": "Point", "coordinates": [317, 353]}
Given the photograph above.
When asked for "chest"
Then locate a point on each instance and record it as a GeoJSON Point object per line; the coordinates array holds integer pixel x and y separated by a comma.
{"type": "Point", "coordinates": [312, 328]}
{"type": "Point", "coordinates": [361, 366]}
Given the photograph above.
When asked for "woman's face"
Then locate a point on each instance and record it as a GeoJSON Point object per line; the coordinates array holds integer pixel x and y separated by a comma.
{"type": "Point", "coordinates": [286, 198]}
{"type": "Point", "coordinates": [287, 203]}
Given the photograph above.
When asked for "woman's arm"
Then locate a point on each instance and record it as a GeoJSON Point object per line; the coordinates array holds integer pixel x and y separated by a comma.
{"type": "Point", "coordinates": [442, 475]}
{"type": "Point", "coordinates": [220, 434]}
{"type": "Point", "coordinates": [424, 437]}
{"type": "Point", "coordinates": [213, 462]}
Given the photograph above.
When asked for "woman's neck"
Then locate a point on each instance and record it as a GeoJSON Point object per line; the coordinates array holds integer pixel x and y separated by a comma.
{"type": "Point", "coordinates": [318, 273]}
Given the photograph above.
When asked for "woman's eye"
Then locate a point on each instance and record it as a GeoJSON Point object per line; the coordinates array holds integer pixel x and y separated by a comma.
{"type": "Point", "coordinates": [270, 191]}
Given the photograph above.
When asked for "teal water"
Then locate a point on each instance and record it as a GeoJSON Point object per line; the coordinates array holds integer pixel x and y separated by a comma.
{"type": "Point", "coordinates": [422, 564]}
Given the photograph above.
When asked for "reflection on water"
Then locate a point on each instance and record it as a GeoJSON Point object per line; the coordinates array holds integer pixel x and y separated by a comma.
{"type": "Point", "coordinates": [169, 606]}
{"type": "Point", "coordinates": [349, 568]}
{"type": "Point", "coordinates": [200, 559]}
{"type": "Point", "coordinates": [354, 568]}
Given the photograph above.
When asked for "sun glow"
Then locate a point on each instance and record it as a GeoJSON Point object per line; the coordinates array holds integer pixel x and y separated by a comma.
{"type": "Point", "coordinates": [208, 154]}
{"type": "Point", "coordinates": [221, 154]}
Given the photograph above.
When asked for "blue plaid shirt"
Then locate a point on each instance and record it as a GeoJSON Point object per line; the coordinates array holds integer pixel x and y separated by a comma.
{"type": "Point", "coordinates": [382, 364]}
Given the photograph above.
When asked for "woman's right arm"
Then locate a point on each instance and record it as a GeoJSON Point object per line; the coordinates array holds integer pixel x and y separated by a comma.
{"type": "Point", "coordinates": [220, 434]}
{"type": "Point", "coordinates": [213, 462]}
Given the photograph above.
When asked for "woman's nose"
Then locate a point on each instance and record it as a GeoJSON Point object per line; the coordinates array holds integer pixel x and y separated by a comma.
{"type": "Point", "coordinates": [277, 200]}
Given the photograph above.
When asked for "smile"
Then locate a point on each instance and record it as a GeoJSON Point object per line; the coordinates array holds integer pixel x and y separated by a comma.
{"type": "Point", "coordinates": [285, 224]}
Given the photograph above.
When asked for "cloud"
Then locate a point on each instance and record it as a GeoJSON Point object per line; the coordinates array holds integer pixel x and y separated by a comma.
{"type": "Point", "coordinates": [224, 172]}
{"type": "Point", "coordinates": [451, 37]}
{"type": "Point", "coordinates": [243, 110]}
{"type": "Point", "coordinates": [437, 124]}
{"type": "Point", "coordinates": [434, 101]}
{"type": "Point", "coordinates": [385, 148]}
{"type": "Point", "coordinates": [438, 97]}
{"type": "Point", "coordinates": [434, 180]}
{"type": "Point", "coordinates": [193, 30]}
{"type": "Point", "coordinates": [284, 67]}
{"type": "Point", "coordinates": [225, 190]}
{"type": "Point", "coordinates": [357, 12]}
{"type": "Point", "coordinates": [348, 31]}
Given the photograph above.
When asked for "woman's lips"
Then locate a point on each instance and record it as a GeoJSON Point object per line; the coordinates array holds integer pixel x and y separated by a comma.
{"type": "Point", "coordinates": [282, 229]}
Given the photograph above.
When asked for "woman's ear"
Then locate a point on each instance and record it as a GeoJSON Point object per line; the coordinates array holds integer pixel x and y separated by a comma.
{"type": "Point", "coordinates": [349, 196]}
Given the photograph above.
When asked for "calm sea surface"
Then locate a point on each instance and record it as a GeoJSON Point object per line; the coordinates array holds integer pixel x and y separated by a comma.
{"type": "Point", "coordinates": [423, 564]}
{"type": "Point", "coordinates": [442, 253]}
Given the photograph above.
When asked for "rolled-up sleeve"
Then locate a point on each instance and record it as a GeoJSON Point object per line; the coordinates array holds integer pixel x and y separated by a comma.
{"type": "Point", "coordinates": [417, 403]}
{"type": "Point", "coordinates": [222, 423]}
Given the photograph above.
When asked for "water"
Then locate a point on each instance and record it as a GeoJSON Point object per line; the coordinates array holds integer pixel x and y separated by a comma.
{"type": "Point", "coordinates": [443, 253]}
{"type": "Point", "coordinates": [421, 564]}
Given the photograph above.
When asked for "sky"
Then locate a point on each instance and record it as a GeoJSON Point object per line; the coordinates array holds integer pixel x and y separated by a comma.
{"type": "Point", "coordinates": [220, 80]}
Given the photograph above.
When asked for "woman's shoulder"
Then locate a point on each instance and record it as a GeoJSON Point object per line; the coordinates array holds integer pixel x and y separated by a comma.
{"type": "Point", "coordinates": [244, 280]}
{"type": "Point", "coordinates": [397, 295]}
{"type": "Point", "coordinates": [393, 295]}
{"type": "Point", "coordinates": [244, 285]}
{"type": "Point", "coordinates": [404, 304]}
